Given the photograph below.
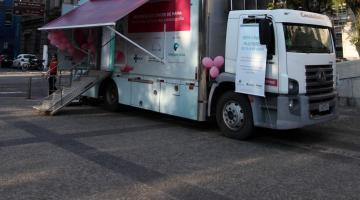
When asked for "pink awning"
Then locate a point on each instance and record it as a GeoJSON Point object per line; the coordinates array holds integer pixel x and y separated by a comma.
{"type": "Point", "coordinates": [95, 13]}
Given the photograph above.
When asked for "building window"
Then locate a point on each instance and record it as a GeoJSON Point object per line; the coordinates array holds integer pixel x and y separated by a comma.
{"type": "Point", "coordinates": [8, 18]}
{"type": "Point", "coordinates": [247, 5]}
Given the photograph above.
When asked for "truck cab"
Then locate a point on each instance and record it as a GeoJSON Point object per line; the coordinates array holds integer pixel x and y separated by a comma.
{"type": "Point", "coordinates": [300, 71]}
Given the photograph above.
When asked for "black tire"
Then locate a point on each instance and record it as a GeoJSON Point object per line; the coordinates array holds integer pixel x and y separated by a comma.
{"type": "Point", "coordinates": [90, 101]}
{"type": "Point", "coordinates": [25, 67]}
{"type": "Point", "coordinates": [234, 116]}
{"type": "Point", "coordinates": [111, 97]}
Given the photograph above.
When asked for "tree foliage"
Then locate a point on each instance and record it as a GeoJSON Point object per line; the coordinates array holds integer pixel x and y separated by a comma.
{"type": "Point", "coordinates": [323, 5]}
{"type": "Point", "coordinates": [304, 4]}
{"type": "Point", "coordinates": [354, 5]}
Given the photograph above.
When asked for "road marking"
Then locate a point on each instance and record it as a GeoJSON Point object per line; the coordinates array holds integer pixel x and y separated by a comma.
{"type": "Point", "coordinates": [12, 92]}
{"type": "Point", "coordinates": [325, 149]}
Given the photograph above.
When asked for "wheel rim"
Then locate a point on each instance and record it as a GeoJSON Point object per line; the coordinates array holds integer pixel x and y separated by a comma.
{"type": "Point", "coordinates": [233, 115]}
{"type": "Point", "coordinates": [112, 95]}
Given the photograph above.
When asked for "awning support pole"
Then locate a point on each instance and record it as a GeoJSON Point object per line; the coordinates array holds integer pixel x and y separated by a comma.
{"type": "Point", "coordinates": [164, 47]}
{"type": "Point", "coordinates": [135, 44]}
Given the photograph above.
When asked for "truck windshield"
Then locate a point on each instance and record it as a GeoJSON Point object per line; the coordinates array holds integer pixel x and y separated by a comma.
{"type": "Point", "coordinates": [307, 39]}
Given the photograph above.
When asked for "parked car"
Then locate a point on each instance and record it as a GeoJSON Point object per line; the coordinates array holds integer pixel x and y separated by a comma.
{"type": "Point", "coordinates": [27, 61]}
{"type": "Point", "coordinates": [34, 64]}
{"type": "Point", "coordinates": [5, 61]}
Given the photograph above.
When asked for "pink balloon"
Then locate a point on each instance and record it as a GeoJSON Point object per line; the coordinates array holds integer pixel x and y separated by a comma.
{"type": "Point", "coordinates": [63, 40]}
{"type": "Point", "coordinates": [61, 33]}
{"type": "Point", "coordinates": [55, 37]}
{"type": "Point", "coordinates": [56, 42]}
{"type": "Point", "coordinates": [127, 69]}
{"type": "Point", "coordinates": [52, 42]}
{"type": "Point", "coordinates": [219, 61]}
{"type": "Point", "coordinates": [84, 46]}
{"type": "Point", "coordinates": [119, 56]}
{"type": "Point", "coordinates": [78, 55]}
{"type": "Point", "coordinates": [91, 39]}
{"type": "Point", "coordinates": [68, 45]}
{"type": "Point", "coordinates": [214, 72]}
{"type": "Point", "coordinates": [207, 62]}
{"type": "Point", "coordinates": [90, 46]}
{"type": "Point", "coordinates": [71, 51]}
{"type": "Point", "coordinates": [92, 49]}
{"type": "Point", "coordinates": [62, 47]}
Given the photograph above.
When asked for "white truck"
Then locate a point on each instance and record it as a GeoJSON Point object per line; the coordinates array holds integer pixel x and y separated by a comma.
{"type": "Point", "coordinates": [162, 43]}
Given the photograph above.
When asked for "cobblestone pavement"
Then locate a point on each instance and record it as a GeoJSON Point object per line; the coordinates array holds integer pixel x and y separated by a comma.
{"type": "Point", "coordinates": [87, 153]}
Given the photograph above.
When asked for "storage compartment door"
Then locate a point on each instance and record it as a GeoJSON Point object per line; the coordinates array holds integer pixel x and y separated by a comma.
{"type": "Point", "coordinates": [179, 100]}
{"type": "Point", "coordinates": [144, 94]}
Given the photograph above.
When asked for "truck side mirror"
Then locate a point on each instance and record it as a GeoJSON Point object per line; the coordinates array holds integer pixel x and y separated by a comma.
{"type": "Point", "coordinates": [267, 35]}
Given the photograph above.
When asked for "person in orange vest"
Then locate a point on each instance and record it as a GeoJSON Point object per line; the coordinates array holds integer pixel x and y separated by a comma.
{"type": "Point", "coordinates": [53, 67]}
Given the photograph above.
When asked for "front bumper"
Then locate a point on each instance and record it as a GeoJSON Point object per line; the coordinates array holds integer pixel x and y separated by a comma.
{"type": "Point", "coordinates": [304, 112]}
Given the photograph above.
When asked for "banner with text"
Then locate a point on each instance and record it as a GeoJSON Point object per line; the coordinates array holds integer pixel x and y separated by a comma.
{"type": "Point", "coordinates": [251, 62]}
{"type": "Point", "coordinates": [151, 17]}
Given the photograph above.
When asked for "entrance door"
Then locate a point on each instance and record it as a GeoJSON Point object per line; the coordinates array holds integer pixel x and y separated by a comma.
{"type": "Point", "coordinates": [107, 50]}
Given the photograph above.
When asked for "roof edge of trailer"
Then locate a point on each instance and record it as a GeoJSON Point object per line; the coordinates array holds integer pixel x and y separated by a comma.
{"type": "Point", "coordinates": [77, 26]}
{"type": "Point", "coordinates": [95, 13]}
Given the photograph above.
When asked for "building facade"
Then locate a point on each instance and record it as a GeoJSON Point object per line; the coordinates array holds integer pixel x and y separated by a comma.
{"type": "Point", "coordinates": [10, 29]}
{"type": "Point", "coordinates": [32, 40]}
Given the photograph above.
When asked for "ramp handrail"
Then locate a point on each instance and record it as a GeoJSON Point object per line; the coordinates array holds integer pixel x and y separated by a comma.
{"type": "Point", "coordinates": [74, 73]}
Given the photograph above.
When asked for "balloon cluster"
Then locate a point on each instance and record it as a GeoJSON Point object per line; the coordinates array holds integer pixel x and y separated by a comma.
{"type": "Point", "coordinates": [119, 56]}
{"type": "Point", "coordinates": [60, 40]}
{"type": "Point", "coordinates": [127, 69]}
{"type": "Point", "coordinates": [86, 43]}
{"type": "Point", "coordinates": [213, 65]}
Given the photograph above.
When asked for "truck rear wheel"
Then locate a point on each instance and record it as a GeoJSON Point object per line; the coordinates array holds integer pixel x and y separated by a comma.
{"type": "Point", "coordinates": [234, 116]}
{"type": "Point", "coordinates": [111, 97]}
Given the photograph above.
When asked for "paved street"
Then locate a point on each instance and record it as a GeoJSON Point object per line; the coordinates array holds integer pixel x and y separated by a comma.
{"type": "Point", "coordinates": [87, 153]}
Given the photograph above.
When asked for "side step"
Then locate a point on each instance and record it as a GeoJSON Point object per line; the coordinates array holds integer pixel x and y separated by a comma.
{"type": "Point", "coordinates": [62, 97]}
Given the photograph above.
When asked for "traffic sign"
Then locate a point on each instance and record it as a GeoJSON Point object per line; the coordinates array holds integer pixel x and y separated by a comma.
{"type": "Point", "coordinates": [29, 8]}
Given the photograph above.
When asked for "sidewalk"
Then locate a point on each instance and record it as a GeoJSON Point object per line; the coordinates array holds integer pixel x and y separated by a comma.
{"type": "Point", "coordinates": [20, 74]}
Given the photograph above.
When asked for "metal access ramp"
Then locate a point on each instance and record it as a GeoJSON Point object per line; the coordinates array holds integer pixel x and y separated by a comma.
{"type": "Point", "coordinates": [79, 83]}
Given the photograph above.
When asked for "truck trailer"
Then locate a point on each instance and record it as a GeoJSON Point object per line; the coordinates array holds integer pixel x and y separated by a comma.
{"type": "Point", "coordinates": [279, 67]}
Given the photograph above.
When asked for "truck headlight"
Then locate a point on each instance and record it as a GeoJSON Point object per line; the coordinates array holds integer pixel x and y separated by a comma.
{"type": "Point", "coordinates": [294, 106]}
{"type": "Point", "coordinates": [293, 87]}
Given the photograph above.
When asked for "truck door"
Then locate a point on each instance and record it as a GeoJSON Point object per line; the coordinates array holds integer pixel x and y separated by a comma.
{"type": "Point", "coordinates": [107, 50]}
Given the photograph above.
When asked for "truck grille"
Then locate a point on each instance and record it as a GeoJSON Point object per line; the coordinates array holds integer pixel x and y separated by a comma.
{"type": "Point", "coordinates": [320, 87]}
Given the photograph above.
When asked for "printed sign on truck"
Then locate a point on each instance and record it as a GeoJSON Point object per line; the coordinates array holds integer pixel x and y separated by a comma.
{"type": "Point", "coordinates": [251, 62]}
{"type": "Point", "coordinates": [151, 17]}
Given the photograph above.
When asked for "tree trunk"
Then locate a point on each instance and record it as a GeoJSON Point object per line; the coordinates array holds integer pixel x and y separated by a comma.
{"type": "Point", "coordinates": [354, 5]}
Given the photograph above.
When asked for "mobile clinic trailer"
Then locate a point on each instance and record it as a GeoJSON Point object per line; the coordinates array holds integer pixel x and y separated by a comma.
{"type": "Point", "coordinates": [166, 56]}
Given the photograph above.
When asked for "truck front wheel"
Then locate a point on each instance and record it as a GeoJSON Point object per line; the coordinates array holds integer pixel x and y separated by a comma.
{"type": "Point", "coordinates": [111, 97]}
{"type": "Point", "coordinates": [234, 116]}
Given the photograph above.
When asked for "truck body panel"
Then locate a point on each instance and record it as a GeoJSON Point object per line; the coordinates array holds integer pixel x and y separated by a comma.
{"type": "Point", "coordinates": [181, 86]}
